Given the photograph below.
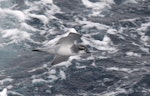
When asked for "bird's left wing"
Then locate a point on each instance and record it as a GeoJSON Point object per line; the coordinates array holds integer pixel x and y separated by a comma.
{"type": "Point", "coordinates": [58, 59]}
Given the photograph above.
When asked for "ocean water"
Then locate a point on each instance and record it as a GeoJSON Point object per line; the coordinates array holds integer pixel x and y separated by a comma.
{"type": "Point", "coordinates": [116, 31]}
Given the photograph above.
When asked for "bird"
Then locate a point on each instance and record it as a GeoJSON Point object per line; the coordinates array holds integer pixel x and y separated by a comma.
{"type": "Point", "coordinates": [3, 92]}
{"type": "Point", "coordinates": [65, 47]}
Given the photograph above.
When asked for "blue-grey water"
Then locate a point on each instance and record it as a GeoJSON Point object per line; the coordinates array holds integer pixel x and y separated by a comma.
{"type": "Point", "coordinates": [116, 31]}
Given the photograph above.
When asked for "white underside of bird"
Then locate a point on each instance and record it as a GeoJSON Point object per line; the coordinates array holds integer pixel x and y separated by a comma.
{"type": "Point", "coordinates": [65, 50]}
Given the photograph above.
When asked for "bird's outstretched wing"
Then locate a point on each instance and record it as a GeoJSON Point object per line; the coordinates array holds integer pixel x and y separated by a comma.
{"type": "Point", "coordinates": [70, 39]}
{"type": "Point", "coordinates": [57, 59]}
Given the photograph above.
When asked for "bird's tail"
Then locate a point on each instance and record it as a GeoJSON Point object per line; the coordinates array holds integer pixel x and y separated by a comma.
{"type": "Point", "coordinates": [40, 50]}
{"type": "Point", "coordinates": [37, 50]}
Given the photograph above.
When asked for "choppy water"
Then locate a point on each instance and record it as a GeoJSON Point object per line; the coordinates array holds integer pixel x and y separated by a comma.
{"type": "Point", "coordinates": [119, 30]}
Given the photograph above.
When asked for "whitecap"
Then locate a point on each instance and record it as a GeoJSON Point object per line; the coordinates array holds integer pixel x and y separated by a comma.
{"type": "Point", "coordinates": [62, 75]}
{"type": "Point", "coordinates": [39, 80]}
{"type": "Point", "coordinates": [15, 35]}
{"type": "Point", "coordinates": [115, 92]}
{"type": "Point", "coordinates": [98, 7]}
{"type": "Point", "coordinates": [3, 92]}
{"type": "Point", "coordinates": [5, 80]}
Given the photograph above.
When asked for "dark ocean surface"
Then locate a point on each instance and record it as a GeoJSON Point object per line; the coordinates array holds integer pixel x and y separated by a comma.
{"type": "Point", "coordinates": [117, 31]}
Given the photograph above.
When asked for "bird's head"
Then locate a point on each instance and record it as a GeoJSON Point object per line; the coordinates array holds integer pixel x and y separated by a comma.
{"type": "Point", "coordinates": [83, 49]}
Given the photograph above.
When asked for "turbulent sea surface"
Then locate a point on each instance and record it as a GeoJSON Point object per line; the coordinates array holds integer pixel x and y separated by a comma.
{"type": "Point", "coordinates": [117, 31]}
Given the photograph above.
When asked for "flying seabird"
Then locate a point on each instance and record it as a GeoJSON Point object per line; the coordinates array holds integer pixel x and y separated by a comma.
{"type": "Point", "coordinates": [65, 47]}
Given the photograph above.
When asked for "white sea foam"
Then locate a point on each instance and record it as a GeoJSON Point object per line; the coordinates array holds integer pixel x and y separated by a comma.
{"type": "Point", "coordinates": [1, 45]}
{"type": "Point", "coordinates": [18, 14]}
{"type": "Point", "coordinates": [127, 70]}
{"type": "Point", "coordinates": [130, 1]}
{"type": "Point", "coordinates": [15, 93]}
{"type": "Point", "coordinates": [10, 86]}
{"type": "Point", "coordinates": [16, 29]}
{"type": "Point", "coordinates": [131, 20]}
{"type": "Point", "coordinates": [65, 63]}
{"type": "Point", "coordinates": [4, 92]}
{"type": "Point", "coordinates": [144, 49]}
{"type": "Point", "coordinates": [15, 35]}
{"type": "Point", "coordinates": [62, 75]}
{"type": "Point", "coordinates": [53, 71]}
{"type": "Point", "coordinates": [52, 78]}
{"type": "Point", "coordinates": [133, 54]}
{"type": "Point", "coordinates": [142, 31]}
{"type": "Point", "coordinates": [5, 80]}
{"type": "Point", "coordinates": [98, 6]}
{"type": "Point", "coordinates": [25, 26]}
{"type": "Point", "coordinates": [114, 93]}
{"type": "Point", "coordinates": [105, 93]}
{"type": "Point", "coordinates": [89, 24]}
{"type": "Point", "coordinates": [80, 67]}
{"type": "Point", "coordinates": [143, 28]}
{"type": "Point", "coordinates": [39, 80]}
{"type": "Point", "coordinates": [2, 0]}
{"type": "Point", "coordinates": [100, 45]}
{"type": "Point", "coordinates": [145, 38]}
{"type": "Point", "coordinates": [59, 95]}
{"type": "Point", "coordinates": [49, 3]}
{"type": "Point", "coordinates": [43, 18]}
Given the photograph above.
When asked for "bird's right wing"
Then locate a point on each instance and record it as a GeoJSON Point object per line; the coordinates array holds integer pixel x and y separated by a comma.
{"type": "Point", "coordinates": [70, 39]}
